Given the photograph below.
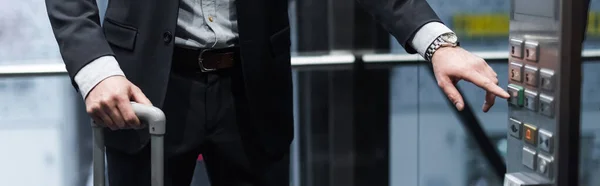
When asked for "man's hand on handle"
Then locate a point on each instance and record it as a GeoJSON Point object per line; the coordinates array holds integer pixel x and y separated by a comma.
{"type": "Point", "coordinates": [451, 64]}
{"type": "Point", "coordinates": [109, 103]}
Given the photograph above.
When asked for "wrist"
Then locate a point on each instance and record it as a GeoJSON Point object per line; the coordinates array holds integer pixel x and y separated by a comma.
{"type": "Point", "coordinates": [446, 40]}
{"type": "Point", "coordinates": [95, 72]}
{"type": "Point", "coordinates": [444, 53]}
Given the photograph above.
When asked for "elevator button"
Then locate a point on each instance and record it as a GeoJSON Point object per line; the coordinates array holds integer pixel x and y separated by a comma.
{"type": "Point", "coordinates": [531, 100]}
{"type": "Point", "coordinates": [514, 128]}
{"type": "Point", "coordinates": [545, 165]}
{"type": "Point", "coordinates": [531, 75]}
{"type": "Point", "coordinates": [545, 140]}
{"type": "Point", "coordinates": [515, 71]}
{"type": "Point", "coordinates": [532, 51]}
{"type": "Point", "coordinates": [547, 79]}
{"type": "Point", "coordinates": [516, 95]}
{"type": "Point", "coordinates": [547, 105]}
{"type": "Point", "coordinates": [529, 157]}
{"type": "Point", "coordinates": [516, 48]}
{"type": "Point", "coordinates": [529, 133]}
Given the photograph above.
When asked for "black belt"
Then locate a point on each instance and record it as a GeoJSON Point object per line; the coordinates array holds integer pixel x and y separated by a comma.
{"type": "Point", "coordinates": [205, 60]}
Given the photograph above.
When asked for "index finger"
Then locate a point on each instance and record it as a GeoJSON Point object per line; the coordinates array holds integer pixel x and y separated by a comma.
{"type": "Point", "coordinates": [487, 84]}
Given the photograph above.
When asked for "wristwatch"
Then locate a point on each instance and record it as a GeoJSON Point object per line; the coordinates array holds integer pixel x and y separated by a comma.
{"type": "Point", "coordinates": [445, 40]}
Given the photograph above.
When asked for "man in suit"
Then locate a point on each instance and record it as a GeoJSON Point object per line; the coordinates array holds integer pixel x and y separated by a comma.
{"type": "Point", "coordinates": [220, 70]}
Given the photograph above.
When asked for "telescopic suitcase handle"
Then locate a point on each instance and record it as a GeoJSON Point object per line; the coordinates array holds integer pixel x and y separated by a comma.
{"type": "Point", "coordinates": [155, 120]}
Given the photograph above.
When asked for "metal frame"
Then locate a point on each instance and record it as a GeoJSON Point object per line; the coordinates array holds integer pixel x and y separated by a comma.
{"type": "Point", "coordinates": [568, 127]}
{"type": "Point", "coordinates": [56, 66]}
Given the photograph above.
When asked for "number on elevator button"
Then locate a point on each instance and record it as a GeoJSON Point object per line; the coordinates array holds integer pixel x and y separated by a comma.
{"type": "Point", "coordinates": [515, 71]}
{"type": "Point", "coordinates": [514, 128]}
{"type": "Point", "coordinates": [531, 100]}
{"type": "Point", "coordinates": [547, 79]}
{"type": "Point", "coordinates": [516, 95]}
{"type": "Point", "coordinates": [531, 73]}
{"type": "Point", "coordinates": [545, 140]}
{"type": "Point", "coordinates": [530, 133]}
{"type": "Point", "coordinates": [531, 51]}
{"type": "Point", "coordinates": [529, 157]}
{"type": "Point", "coordinates": [516, 48]}
{"type": "Point", "coordinates": [547, 105]}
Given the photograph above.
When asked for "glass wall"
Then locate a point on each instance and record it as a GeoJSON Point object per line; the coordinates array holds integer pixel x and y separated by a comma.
{"type": "Point", "coordinates": [39, 130]}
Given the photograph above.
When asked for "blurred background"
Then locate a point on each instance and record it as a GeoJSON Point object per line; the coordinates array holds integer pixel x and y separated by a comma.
{"type": "Point", "coordinates": [366, 112]}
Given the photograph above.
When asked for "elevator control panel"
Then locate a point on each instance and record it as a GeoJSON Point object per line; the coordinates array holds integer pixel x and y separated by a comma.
{"type": "Point", "coordinates": [533, 60]}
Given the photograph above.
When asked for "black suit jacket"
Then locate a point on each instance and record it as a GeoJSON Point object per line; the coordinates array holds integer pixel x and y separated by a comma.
{"type": "Point", "coordinates": [139, 33]}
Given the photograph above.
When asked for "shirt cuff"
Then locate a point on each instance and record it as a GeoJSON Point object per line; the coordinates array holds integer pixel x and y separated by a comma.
{"type": "Point", "coordinates": [94, 72]}
{"type": "Point", "coordinates": [427, 34]}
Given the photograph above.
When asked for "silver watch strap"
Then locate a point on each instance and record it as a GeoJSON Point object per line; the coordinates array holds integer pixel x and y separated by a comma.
{"type": "Point", "coordinates": [438, 43]}
{"type": "Point", "coordinates": [433, 47]}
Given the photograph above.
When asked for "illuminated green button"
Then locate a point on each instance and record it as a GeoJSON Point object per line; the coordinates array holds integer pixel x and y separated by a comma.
{"type": "Point", "coordinates": [517, 95]}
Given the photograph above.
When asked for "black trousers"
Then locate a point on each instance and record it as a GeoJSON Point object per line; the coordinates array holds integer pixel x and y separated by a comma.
{"type": "Point", "coordinates": [205, 115]}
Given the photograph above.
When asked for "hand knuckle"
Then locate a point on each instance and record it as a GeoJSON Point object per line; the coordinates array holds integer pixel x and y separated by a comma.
{"type": "Point", "coordinates": [465, 71]}
{"type": "Point", "coordinates": [130, 120]}
{"type": "Point", "coordinates": [93, 108]}
{"type": "Point", "coordinates": [89, 110]}
{"type": "Point", "coordinates": [105, 102]}
{"type": "Point", "coordinates": [441, 84]}
{"type": "Point", "coordinates": [121, 98]}
{"type": "Point", "coordinates": [115, 97]}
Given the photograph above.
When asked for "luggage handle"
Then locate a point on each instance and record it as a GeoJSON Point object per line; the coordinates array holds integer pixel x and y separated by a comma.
{"type": "Point", "coordinates": [155, 120]}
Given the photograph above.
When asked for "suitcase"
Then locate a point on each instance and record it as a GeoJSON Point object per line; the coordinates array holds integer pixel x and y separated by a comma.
{"type": "Point", "coordinates": [154, 119]}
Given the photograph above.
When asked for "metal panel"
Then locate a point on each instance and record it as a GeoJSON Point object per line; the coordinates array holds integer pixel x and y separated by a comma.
{"type": "Point", "coordinates": [551, 31]}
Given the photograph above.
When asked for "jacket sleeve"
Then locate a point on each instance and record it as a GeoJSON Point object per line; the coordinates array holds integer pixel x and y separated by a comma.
{"type": "Point", "coordinates": [401, 18]}
{"type": "Point", "coordinates": [76, 27]}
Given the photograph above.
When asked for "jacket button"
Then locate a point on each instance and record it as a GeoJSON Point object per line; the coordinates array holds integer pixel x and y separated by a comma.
{"type": "Point", "coordinates": [167, 37]}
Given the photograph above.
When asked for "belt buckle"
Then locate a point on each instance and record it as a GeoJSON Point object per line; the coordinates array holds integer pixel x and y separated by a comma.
{"type": "Point", "coordinates": [201, 64]}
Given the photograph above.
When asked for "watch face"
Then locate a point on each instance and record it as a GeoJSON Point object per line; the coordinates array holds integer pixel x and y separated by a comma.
{"type": "Point", "coordinates": [450, 37]}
